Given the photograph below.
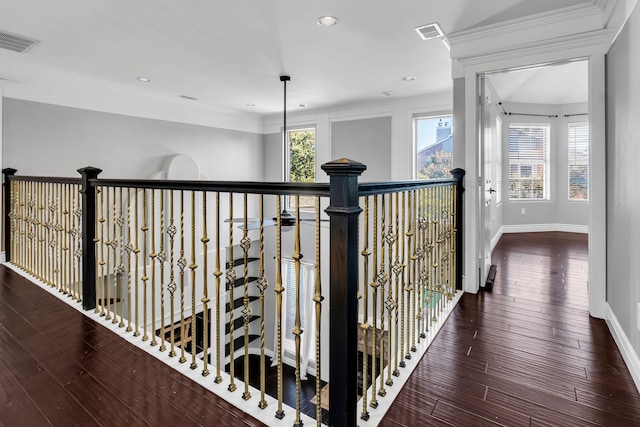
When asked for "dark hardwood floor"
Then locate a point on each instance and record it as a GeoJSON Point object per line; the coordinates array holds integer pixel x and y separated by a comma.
{"type": "Point", "coordinates": [59, 368]}
{"type": "Point", "coordinates": [525, 354]}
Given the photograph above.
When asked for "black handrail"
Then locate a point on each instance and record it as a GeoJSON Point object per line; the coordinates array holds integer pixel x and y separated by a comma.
{"type": "Point", "coordinates": [343, 192]}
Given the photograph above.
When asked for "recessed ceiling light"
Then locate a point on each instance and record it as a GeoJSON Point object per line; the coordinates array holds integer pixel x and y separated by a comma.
{"type": "Point", "coordinates": [250, 104]}
{"type": "Point", "coordinates": [302, 105]}
{"type": "Point", "coordinates": [327, 21]}
{"type": "Point", "coordinates": [387, 93]}
{"type": "Point", "coordinates": [144, 79]}
{"type": "Point", "coordinates": [408, 78]}
{"type": "Point", "coordinates": [190, 98]}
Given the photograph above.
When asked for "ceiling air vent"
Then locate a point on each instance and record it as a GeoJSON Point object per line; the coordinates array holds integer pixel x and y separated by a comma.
{"type": "Point", "coordinates": [430, 31]}
{"type": "Point", "coordinates": [16, 43]}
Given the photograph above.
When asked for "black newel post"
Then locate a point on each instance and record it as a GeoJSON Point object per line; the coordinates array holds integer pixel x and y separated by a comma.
{"type": "Point", "coordinates": [343, 211]}
{"type": "Point", "coordinates": [458, 174]}
{"type": "Point", "coordinates": [7, 172]}
{"type": "Point", "coordinates": [88, 235]}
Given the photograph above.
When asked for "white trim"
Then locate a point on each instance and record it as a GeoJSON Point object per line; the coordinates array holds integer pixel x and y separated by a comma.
{"type": "Point", "coordinates": [506, 28]}
{"type": "Point", "coordinates": [624, 345]}
{"type": "Point", "coordinates": [588, 40]}
{"type": "Point", "coordinates": [538, 228]}
{"type": "Point", "coordinates": [496, 238]}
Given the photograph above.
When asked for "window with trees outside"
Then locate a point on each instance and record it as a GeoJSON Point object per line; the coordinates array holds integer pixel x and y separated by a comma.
{"type": "Point", "coordinates": [433, 137]}
{"type": "Point", "coordinates": [529, 161]}
{"type": "Point", "coordinates": [300, 162]}
{"type": "Point", "coordinates": [578, 161]}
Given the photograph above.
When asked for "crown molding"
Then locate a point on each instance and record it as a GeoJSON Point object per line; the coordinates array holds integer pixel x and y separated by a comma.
{"type": "Point", "coordinates": [536, 21]}
{"type": "Point", "coordinates": [600, 40]}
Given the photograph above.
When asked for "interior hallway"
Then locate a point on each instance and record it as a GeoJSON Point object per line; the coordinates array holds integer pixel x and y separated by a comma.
{"type": "Point", "coordinates": [525, 354]}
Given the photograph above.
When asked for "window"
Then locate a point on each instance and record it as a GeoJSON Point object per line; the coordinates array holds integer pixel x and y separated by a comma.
{"type": "Point", "coordinates": [529, 162]}
{"type": "Point", "coordinates": [578, 161]}
{"type": "Point", "coordinates": [300, 162]}
{"type": "Point", "coordinates": [434, 146]}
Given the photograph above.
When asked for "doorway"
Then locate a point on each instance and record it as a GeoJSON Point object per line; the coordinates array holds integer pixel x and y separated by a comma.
{"type": "Point", "coordinates": [533, 153]}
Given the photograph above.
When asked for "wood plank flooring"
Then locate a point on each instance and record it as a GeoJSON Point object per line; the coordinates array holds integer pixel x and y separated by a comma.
{"type": "Point", "coordinates": [525, 354]}
{"type": "Point", "coordinates": [59, 368]}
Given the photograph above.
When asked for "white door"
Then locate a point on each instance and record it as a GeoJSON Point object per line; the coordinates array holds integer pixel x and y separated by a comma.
{"type": "Point", "coordinates": [487, 203]}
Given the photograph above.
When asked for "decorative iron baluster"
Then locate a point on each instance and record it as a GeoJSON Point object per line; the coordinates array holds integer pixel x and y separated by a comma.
{"type": "Point", "coordinates": [231, 278]}
{"type": "Point", "coordinates": [278, 290]}
{"type": "Point", "coordinates": [365, 315]}
{"type": "Point", "coordinates": [245, 244]}
{"type": "Point", "coordinates": [217, 274]}
{"type": "Point", "coordinates": [262, 286]}
{"type": "Point", "coordinates": [205, 297]}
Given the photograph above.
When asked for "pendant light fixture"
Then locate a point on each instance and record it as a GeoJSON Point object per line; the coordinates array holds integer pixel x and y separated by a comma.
{"type": "Point", "coordinates": [286, 219]}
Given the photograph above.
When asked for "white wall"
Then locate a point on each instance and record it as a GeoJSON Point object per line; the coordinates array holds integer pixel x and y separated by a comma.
{"type": "Point", "coordinates": [50, 140]}
{"type": "Point", "coordinates": [623, 176]}
{"type": "Point", "coordinates": [368, 140]}
{"type": "Point", "coordinates": [558, 209]}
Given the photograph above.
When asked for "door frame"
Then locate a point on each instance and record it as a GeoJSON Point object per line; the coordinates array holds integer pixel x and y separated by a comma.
{"type": "Point", "coordinates": [469, 69]}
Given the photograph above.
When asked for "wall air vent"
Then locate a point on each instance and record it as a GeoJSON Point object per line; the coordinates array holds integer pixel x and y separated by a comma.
{"type": "Point", "coordinates": [430, 31]}
{"type": "Point", "coordinates": [16, 43]}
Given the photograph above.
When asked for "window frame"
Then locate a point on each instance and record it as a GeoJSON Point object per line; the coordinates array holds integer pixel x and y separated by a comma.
{"type": "Point", "coordinates": [545, 162]}
{"type": "Point", "coordinates": [585, 124]}
{"type": "Point", "coordinates": [414, 124]}
{"type": "Point", "coordinates": [286, 162]}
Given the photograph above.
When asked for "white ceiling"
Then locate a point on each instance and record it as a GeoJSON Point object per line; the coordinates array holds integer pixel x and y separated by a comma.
{"type": "Point", "coordinates": [230, 53]}
{"type": "Point", "coordinates": [564, 83]}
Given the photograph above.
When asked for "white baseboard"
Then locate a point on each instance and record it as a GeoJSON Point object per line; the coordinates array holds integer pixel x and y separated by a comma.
{"type": "Point", "coordinates": [537, 228]}
{"type": "Point", "coordinates": [495, 239]}
{"type": "Point", "coordinates": [624, 345]}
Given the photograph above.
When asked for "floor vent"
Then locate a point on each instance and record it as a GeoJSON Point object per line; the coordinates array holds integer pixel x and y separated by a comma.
{"type": "Point", "coordinates": [16, 43]}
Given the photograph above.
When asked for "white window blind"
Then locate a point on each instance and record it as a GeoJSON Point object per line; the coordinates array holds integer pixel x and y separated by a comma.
{"type": "Point", "coordinates": [528, 161]}
{"type": "Point", "coordinates": [307, 281]}
{"type": "Point", "coordinates": [578, 161]}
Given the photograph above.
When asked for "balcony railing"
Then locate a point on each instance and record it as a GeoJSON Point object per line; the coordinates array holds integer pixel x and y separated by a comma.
{"type": "Point", "coordinates": [219, 276]}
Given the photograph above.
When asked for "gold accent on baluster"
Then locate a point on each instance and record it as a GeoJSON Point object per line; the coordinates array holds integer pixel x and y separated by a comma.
{"type": "Point", "coordinates": [382, 280]}
{"type": "Point", "coordinates": [108, 243]}
{"type": "Point", "coordinates": [435, 259]}
{"type": "Point", "coordinates": [205, 298]}
{"type": "Point", "coordinates": [217, 274]}
{"type": "Point", "coordinates": [231, 279]}
{"type": "Point", "coordinates": [297, 330]}
{"type": "Point", "coordinates": [374, 308]}
{"type": "Point", "coordinates": [77, 212]}
{"type": "Point", "coordinates": [245, 244]}
{"type": "Point", "coordinates": [454, 248]}
{"type": "Point", "coordinates": [193, 267]}
{"type": "Point", "coordinates": [102, 262]}
{"type": "Point", "coordinates": [42, 267]}
{"type": "Point", "coordinates": [136, 251]}
{"type": "Point", "coordinates": [144, 278]}
{"type": "Point", "coordinates": [262, 286]}
{"type": "Point", "coordinates": [365, 316]}
{"type": "Point", "coordinates": [415, 261]}
{"type": "Point", "coordinates": [398, 269]}
{"type": "Point", "coordinates": [390, 304]}
{"type": "Point", "coordinates": [162, 257]}
{"type": "Point", "coordinates": [121, 267]}
{"type": "Point", "coordinates": [113, 244]}
{"type": "Point", "coordinates": [66, 240]}
{"type": "Point", "coordinates": [182, 263]}
{"type": "Point", "coordinates": [317, 298]}
{"type": "Point", "coordinates": [410, 259]}
{"type": "Point", "coordinates": [278, 289]}
{"type": "Point", "coordinates": [153, 255]}
{"type": "Point", "coordinates": [171, 231]}
{"type": "Point", "coordinates": [129, 249]}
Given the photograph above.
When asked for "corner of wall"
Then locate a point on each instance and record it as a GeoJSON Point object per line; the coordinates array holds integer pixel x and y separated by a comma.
{"type": "Point", "coordinates": [629, 355]}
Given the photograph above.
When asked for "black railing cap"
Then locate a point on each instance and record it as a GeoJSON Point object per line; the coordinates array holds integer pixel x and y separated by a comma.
{"type": "Point", "coordinates": [457, 173]}
{"type": "Point", "coordinates": [344, 166]}
{"type": "Point", "coordinates": [90, 171]}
